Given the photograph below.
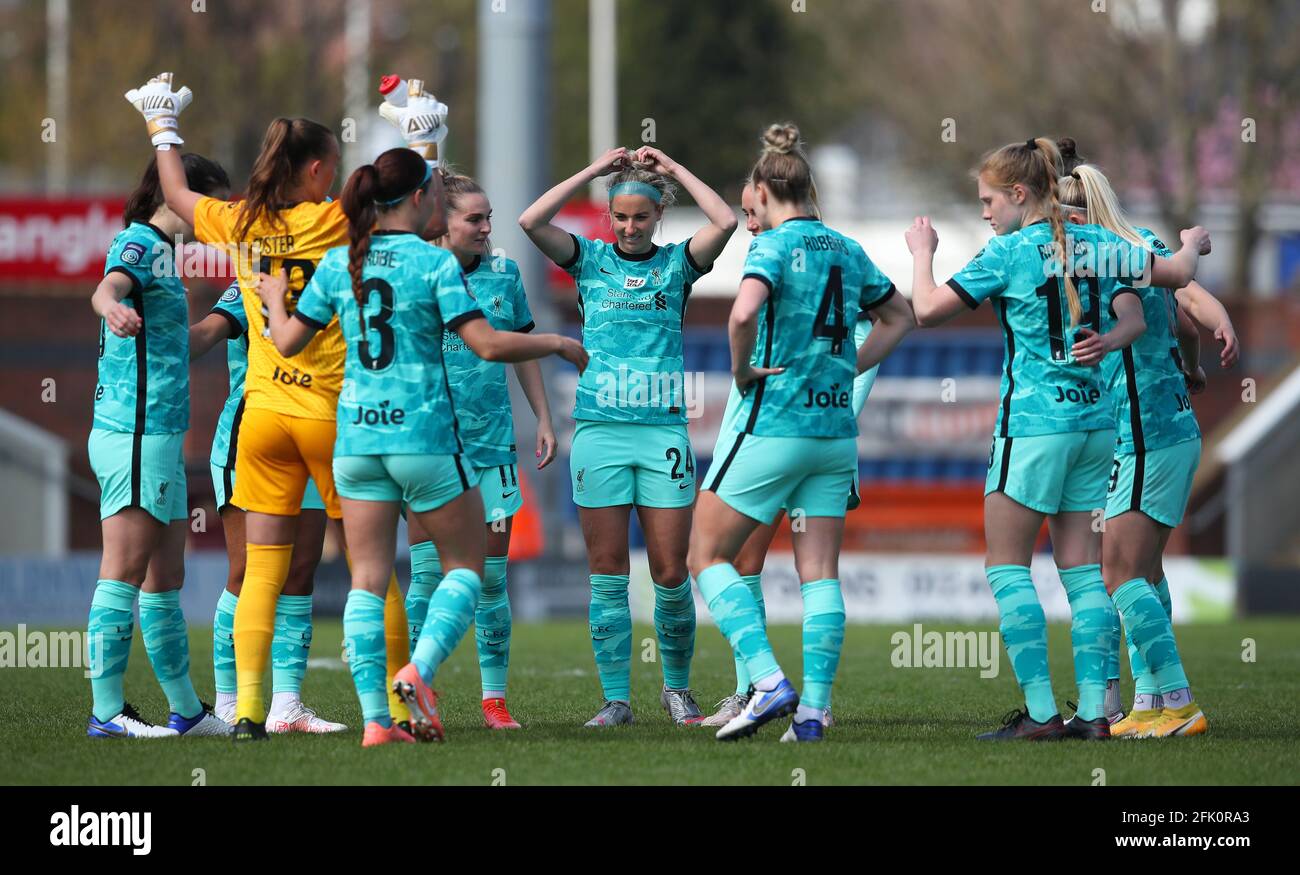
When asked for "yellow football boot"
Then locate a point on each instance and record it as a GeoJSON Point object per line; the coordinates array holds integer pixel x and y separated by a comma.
{"type": "Point", "coordinates": [1187, 720]}
{"type": "Point", "coordinates": [1136, 725]}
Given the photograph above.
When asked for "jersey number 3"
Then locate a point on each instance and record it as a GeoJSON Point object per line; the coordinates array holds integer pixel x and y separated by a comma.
{"type": "Point", "coordinates": [380, 323]}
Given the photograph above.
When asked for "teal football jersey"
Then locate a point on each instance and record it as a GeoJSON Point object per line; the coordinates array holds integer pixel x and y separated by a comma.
{"type": "Point", "coordinates": [144, 381]}
{"type": "Point", "coordinates": [1044, 391]}
{"type": "Point", "coordinates": [231, 306]}
{"type": "Point", "coordinates": [1147, 389]}
{"type": "Point", "coordinates": [861, 386]}
{"type": "Point", "coordinates": [820, 284]}
{"type": "Point", "coordinates": [479, 387]}
{"type": "Point", "coordinates": [395, 398]}
{"type": "Point", "coordinates": [632, 309]}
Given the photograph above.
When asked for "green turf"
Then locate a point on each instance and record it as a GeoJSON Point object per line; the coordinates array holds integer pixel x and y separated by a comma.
{"type": "Point", "coordinates": [893, 725]}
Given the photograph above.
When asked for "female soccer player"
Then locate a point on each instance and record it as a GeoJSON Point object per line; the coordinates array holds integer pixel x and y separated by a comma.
{"type": "Point", "coordinates": [293, 627]}
{"type": "Point", "coordinates": [804, 286]}
{"type": "Point", "coordinates": [749, 562]}
{"type": "Point", "coordinates": [630, 446]}
{"type": "Point", "coordinates": [142, 409]}
{"type": "Point", "coordinates": [398, 429]}
{"type": "Point", "coordinates": [287, 431]}
{"type": "Point", "coordinates": [1054, 434]}
{"type": "Point", "coordinates": [1156, 455]}
{"type": "Point", "coordinates": [482, 400]}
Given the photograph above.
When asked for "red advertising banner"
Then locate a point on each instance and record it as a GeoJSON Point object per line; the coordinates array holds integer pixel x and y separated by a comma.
{"type": "Point", "coordinates": [63, 239]}
{"type": "Point", "coordinates": [66, 239]}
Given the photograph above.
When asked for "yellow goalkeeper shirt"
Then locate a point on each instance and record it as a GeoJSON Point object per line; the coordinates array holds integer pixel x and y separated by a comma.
{"type": "Point", "coordinates": [305, 385]}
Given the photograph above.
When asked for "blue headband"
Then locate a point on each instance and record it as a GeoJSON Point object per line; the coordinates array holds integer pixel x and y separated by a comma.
{"type": "Point", "coordinates": [428, 174]}
{"type": "Point", "coordinates": [640, 188]}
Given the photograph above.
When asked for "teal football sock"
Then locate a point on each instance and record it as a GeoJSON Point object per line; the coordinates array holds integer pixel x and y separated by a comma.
{"type": "Point", "coordinates": [1113, 643]}
{"type": "Point", "coordinates": [1143, 681]}
{"type": "Point", "coordinates": [1092, 619]}
{"type": "Point", "coordinates": [754, 582]}
{"type": "Point", "coordinates": [737, 615]}
{"type": "Point", "coordinates": [1024, 634]}
{"type": "Point", "coordinates": [451, 610]}
{"type": "Point", "coordinates": [1149, 627]}
{"type": "Point", "coordinates": [823, 639]}
{"type": "Point", "coordinates": [167, 641]}
{"type": "Point", "coordinates": [610, 623]}
{"type": "Point", "coordinates": [674, 617]}
{"type": "Point", "coordinates": [492, 624]}
{"type": "Point", "coordinates": [363, 636]}
{"type": "Point", "coordinates": [108, 631]}
{"type": "Point", "coordinates": [223, 642]}
{"type": "Point", "coordinates": [426, 573]}
{"type": "Point", "coordinates": [291, 643]}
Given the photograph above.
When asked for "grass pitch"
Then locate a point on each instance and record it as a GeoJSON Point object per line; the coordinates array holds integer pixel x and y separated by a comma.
{"type": "Point", "coordinates": [892, 725]}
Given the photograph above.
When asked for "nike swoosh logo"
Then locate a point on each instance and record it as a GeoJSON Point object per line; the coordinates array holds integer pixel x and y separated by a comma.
{"type": "Point", "coordinates": [608, 273]}
{"type": "Point", "coordinates": [765, 703]}
{"type": "Point", "coordinates": [508, 494]}
{"type": "Point", "coordinates": [110, 729]}
{"type": "Point", "coordinates": [606, 638]}
{"type": "Point", "coordinates": [684, 485]}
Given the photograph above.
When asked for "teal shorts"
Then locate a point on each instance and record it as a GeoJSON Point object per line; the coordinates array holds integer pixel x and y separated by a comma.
{"type": "Point", "coordinates": [223, 486]}
{"type": "Point", "coordinates": [423, 481]}
{"type": "Point", "coordinates": [140, 470]}
{"type": "Point", "coordinates": [759, 476]}
{"type": "Point", "coordinates": [1052, 473]}
{"type": "Point", "coordinates": [613, 463]}
{"type": "Point", "coordinates": [1156, 482]}
{"type": "Point", "coordinates": [499, 485]}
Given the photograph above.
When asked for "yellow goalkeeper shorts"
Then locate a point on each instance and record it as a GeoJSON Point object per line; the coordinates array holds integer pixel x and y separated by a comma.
{"type": "Point", "coordinates": [277, 454]}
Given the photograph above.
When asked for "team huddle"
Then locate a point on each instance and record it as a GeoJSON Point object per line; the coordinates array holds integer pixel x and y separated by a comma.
{"type": "Point", "coordinates": [366, 342]}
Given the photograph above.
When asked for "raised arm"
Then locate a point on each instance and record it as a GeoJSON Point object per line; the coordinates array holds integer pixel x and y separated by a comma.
{"type": "Point", "coordinates": [1129, 325]}
{"type": "Point", "coordinates": [894, 319]}
{"type": "Point", "coordinates": [107, 304]}
{"type": "Point", "coordinates": [554, 241]}
{"type": "Point", "coordinates": [1208, 311]}
{"type": "Point", "coordinates": [932, 304]}
{"type": "Point", "coordinates": [160, 106]}
{"type": "Point", "coordinates": [1180, 270]}
{"type": "Point", "coordinates": [529, 375]}
{"type": "Point", "coordinates": [708, 242]}
{"type": "Point", "coordinates": [288, 334]}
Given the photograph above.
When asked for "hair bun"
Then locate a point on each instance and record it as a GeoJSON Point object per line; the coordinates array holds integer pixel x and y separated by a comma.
{"type": "Point", "coordinates": [782, 139]}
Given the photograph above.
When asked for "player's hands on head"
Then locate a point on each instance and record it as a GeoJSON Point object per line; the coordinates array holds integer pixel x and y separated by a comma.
{"type": "Point", "coordinates": [123, 320]}
{"type": "Point", "coordinates": [654, 160]}
{"type": "Point", "coordinates": [573, 352]}
{"type": "Point", "coordinates": [614, 160]}
{"type": "Point", "coordinates": [160, 105]}
{"type": "Point", "coordinates": [422, 122]}
{"type": "Point", "coordinates": [1197, 237]}
{"type": "Point", "coordinates": [1089, 348]}
{"type": "Point", "coordinates": [921, 237]}
{"type": "Point", "coordinates": [746, 374]}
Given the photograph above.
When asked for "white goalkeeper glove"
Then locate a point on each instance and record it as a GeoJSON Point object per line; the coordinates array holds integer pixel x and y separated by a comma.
{"type": "Point", "coordinates": [422, 121]}
{"type": "Point", "coordinates": [160, 106]}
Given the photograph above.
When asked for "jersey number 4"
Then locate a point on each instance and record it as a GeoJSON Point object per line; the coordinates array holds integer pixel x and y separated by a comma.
{"type": "Point", "coordinates": [830, 313]}
{"type": "Point", "coordinates": [380, 323]}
